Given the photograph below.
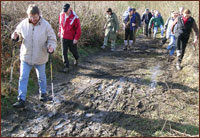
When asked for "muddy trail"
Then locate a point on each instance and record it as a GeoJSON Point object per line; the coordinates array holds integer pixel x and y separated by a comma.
{"type": "Point", "coordinates": [121, 93]}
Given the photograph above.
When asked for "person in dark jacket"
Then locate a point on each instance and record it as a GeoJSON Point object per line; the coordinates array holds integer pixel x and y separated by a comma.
{"type": "Point", "coordinates": [184, 27]}
{"type": "Point", "coordinates": [130, 25]}
{"type": "Point", "coordinates": [138, 25]}
{"type": "Point", "coordinates": [146, 17]}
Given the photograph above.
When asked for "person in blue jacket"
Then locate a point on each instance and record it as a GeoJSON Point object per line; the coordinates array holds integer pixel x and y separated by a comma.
{"type": "Point", "coordinates": [130, 25]}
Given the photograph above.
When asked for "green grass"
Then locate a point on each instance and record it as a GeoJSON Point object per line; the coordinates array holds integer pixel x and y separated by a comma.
{"type": "Point", "coordinates": [6, 104]}
{"type": "Point", "coordinates": [7, 100]}
{"type": "Point", "coordinates": [160, 134]}
{"type": "Point", "coordinates": [32, 87]}
{"type": "Point", "coordinates": [188, 129]}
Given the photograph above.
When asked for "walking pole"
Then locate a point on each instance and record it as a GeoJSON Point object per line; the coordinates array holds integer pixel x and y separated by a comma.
{"type": "Point", "coordinates": [51, 78]}
{"type": "Point", "coordinates": [11, 72]}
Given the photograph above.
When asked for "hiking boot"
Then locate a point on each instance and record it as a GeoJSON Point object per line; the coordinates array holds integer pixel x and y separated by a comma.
{"type": "Point", "coordinates": [164, 40]}
{"type": "Point", "coordinates": [125, 48]}
{"type": "Point", "coordinates": [178, 66]}
{"type": "Point", "coordinates": [43, 97]}
{"type": "Point", "coordinates": [65, 70]}
{"type": "Point", "coordinates": [103, 47]}
{"type": "Point", "coordinates": [112, 49]}
{"type": "Point", "coordinates": [76, 62]}
{"type": "Point", "coordinates": [19, 104]}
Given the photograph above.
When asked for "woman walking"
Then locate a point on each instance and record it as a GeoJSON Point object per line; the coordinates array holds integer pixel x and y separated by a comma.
{"type": "Point", "coordinates": [185, 24]}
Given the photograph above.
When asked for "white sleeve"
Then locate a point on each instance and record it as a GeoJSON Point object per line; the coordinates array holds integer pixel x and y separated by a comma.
{"type": "Point", "coordinates": [18, 29]}
{"type": "Point", "coordinates": [51, 37]}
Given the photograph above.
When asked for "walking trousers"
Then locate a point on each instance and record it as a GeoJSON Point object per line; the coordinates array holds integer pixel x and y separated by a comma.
{"type": "Point", "coordinates": [147, 31]}
{"type": "Point", "coordinates": [128, 34]}
{"type": "Point", "coordinates": [68, 44]}
{"type": "Point", "coordinates": [181, 43]}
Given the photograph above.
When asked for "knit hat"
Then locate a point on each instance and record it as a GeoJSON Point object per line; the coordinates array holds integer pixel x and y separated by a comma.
{"type": "Point", "coordinates": [109, 10]}
{"type": "Point", "coordinates": [66, 7]}
{"type": "Point", "coordinates": [130, 9]}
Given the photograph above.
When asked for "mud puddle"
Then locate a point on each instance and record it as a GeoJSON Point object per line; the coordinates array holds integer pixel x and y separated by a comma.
{"type": "Point", "coordinates": [121, 93]}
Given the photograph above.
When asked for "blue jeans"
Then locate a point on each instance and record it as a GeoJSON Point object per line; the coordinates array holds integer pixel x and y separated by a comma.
{"type": "Point", "coordinates": [172, 45]}
{"type": "Point", "coordinates": [155, 30]}
{"type": "Point", "coordinates": [25, 69]}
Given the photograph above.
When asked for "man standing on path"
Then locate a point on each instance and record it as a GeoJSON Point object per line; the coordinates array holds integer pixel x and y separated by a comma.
{"type": "Point", "coordinates": [111, 28]}
{"type": "Point", "coordinates": [38, 40]}
{"type": "Point", "coordinates": [70, 33]}
{"type": "Point", "coordinates": [146, 17]}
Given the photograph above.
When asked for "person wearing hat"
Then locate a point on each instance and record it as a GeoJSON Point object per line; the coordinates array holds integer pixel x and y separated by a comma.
{"type": "Point", "coordinates": [38, 40]}
{"type": "Point", "coordinates": [111, 27]}
{"type": "Point", "coordinates": [146, 17]}
{"type": "Point", "coordinates": [130, 24]}
{"type": "Point", "coordinates": [184, 25]}
{"type": "Point", "coordinates": [70, 33]}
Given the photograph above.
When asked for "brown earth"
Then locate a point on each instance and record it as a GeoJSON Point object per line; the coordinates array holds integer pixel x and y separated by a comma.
{"type": "Point", "coordinates": [121, 93]}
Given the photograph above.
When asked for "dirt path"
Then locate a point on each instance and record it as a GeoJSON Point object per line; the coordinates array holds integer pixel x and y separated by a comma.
{"type": "Point", "coordinates": [121, 93]}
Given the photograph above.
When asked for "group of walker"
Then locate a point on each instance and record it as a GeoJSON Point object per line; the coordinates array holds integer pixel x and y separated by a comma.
{"type": "Point", "coordinates": [177, 27]}
{"type": "Point", "coordinates": [131, 22]}
{"type": "Point", "coordinates": [39, 39]}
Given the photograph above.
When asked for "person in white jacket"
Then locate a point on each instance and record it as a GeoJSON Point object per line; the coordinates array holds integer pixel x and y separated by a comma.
{"type": "Point", "coordinates": [38, 40]}
{"type": "Point", "coordinates": [169, 35]}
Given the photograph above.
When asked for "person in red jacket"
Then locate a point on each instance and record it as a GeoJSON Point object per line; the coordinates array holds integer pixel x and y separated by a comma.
{"type": "Point", "coordinates": [70, 33]}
